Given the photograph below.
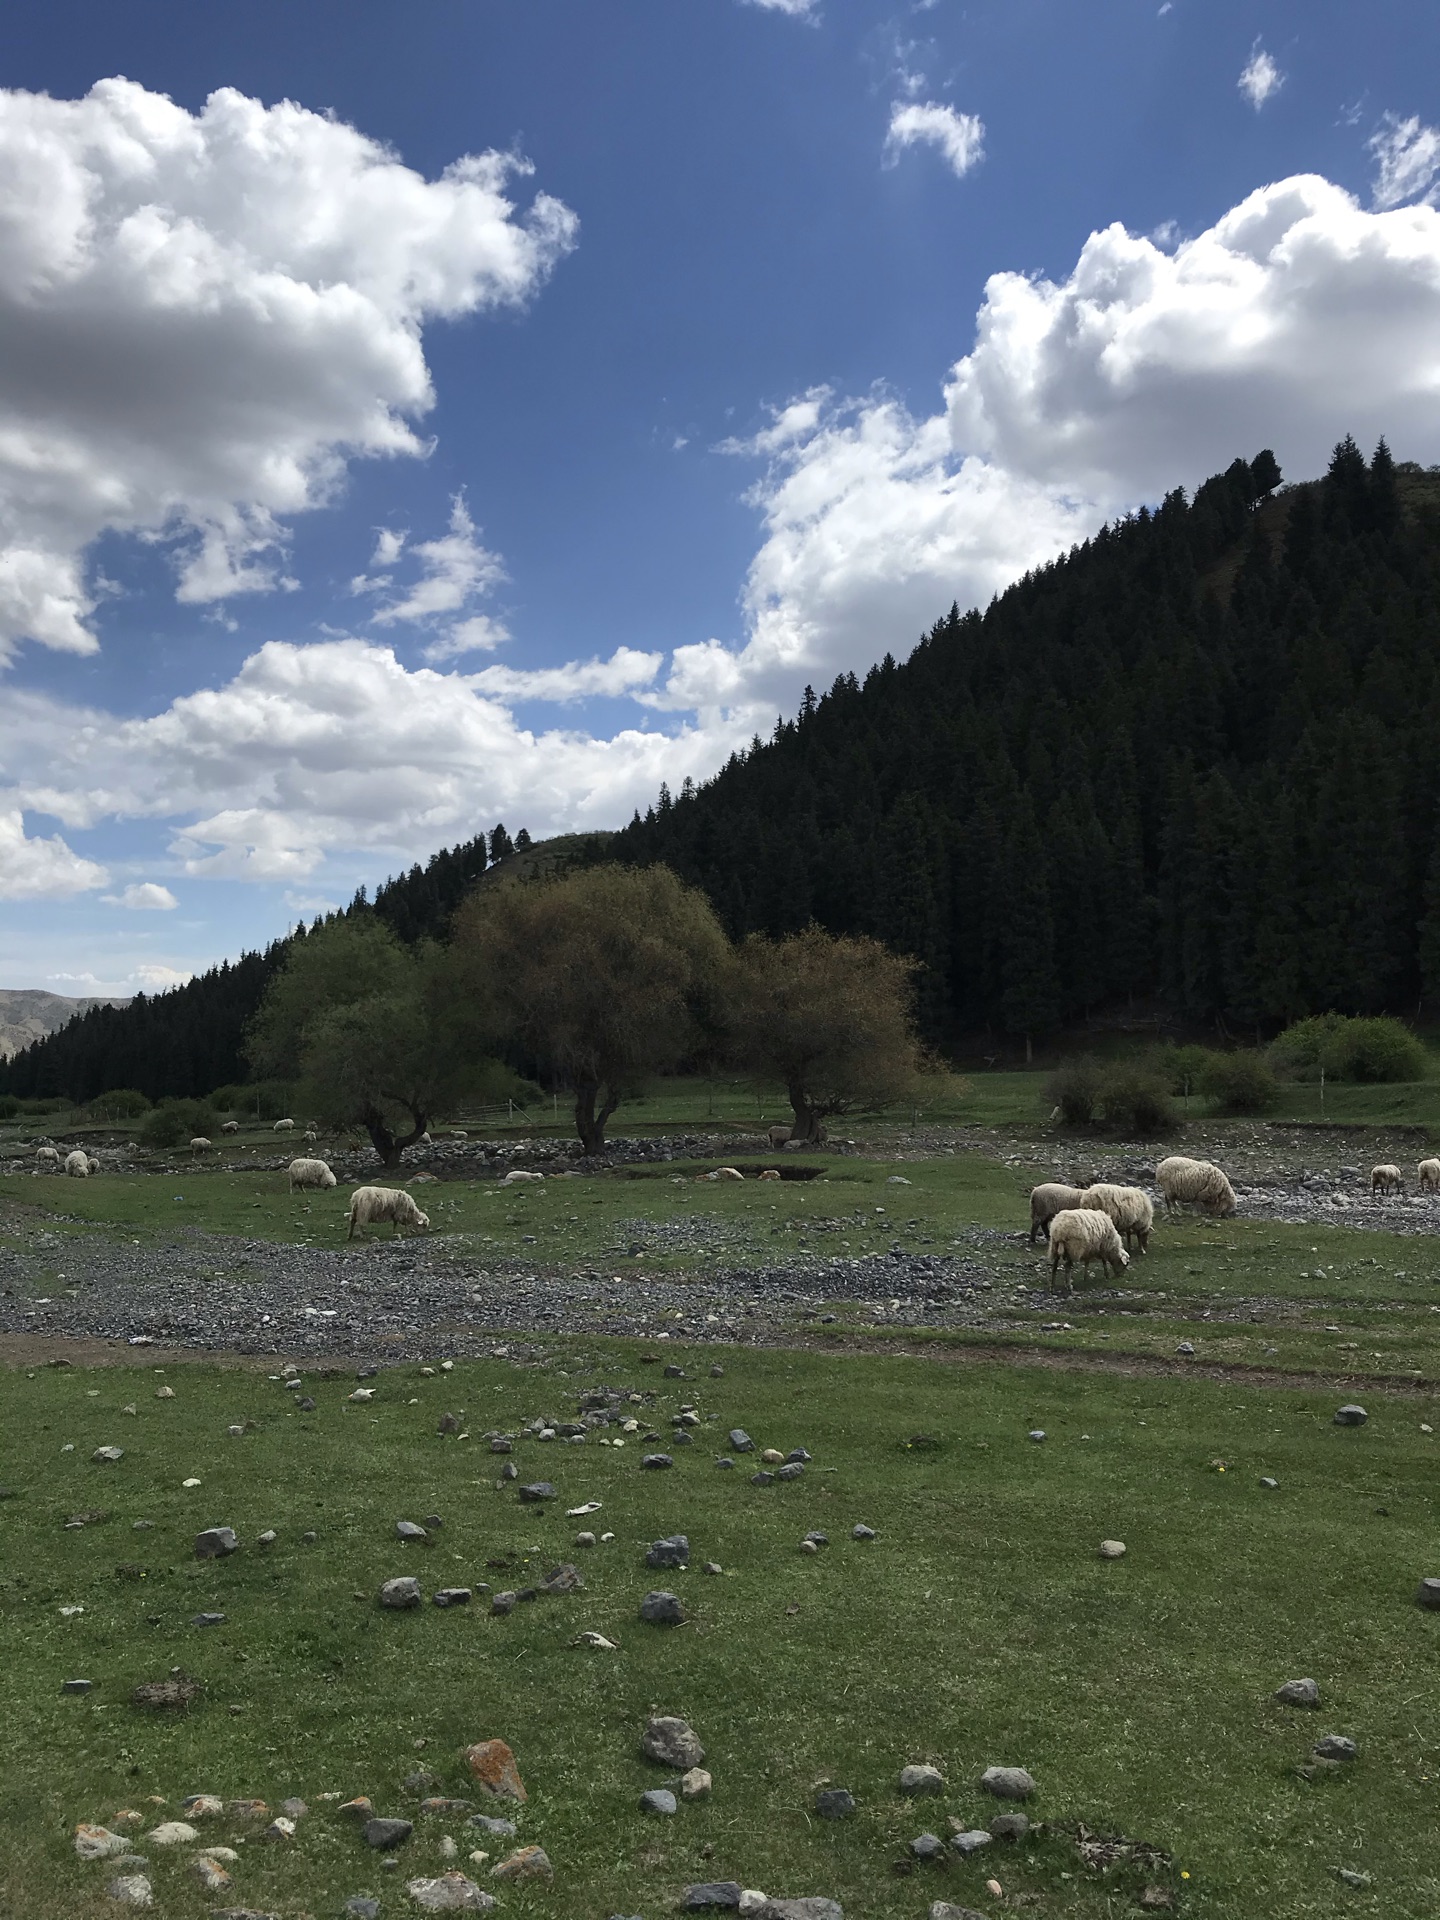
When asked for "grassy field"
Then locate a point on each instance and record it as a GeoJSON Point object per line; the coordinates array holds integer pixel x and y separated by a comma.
{"type": "Point", "coordinates": [980, 1627]}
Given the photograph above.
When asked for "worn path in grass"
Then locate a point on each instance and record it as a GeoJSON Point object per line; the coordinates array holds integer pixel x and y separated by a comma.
{"type": "Point", "coordinates": [980, 1627]}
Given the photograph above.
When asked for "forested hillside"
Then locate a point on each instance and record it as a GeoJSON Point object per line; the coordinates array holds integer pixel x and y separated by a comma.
{"type": "Point", "coordinates": [1197, 757]}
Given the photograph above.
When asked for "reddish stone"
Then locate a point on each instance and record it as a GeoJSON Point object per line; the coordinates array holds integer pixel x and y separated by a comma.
{"type": "Point", "coordinates": [494, 1769]}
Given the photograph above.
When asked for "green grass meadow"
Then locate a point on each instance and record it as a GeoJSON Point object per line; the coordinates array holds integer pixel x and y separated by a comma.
{"type": "Point", "coordinates": [980, 1627]}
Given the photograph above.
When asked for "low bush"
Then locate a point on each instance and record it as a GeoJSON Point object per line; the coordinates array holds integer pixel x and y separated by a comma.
{"type": "Point", "coordinates": [1138, 1100]}
{"type": "Point", "coordinates": [174, 1122]}
{"type": "Point", "coordinates": [1075, 1089]}
{"type": "Point", "coordinates": [121, 1103]}
{"type": "Point", "coordinates": [1374, 1049]}
{"type": "Point", "coordinates": [1240, 1082]}
{"type": "Point", "coordinates": [1181, 1068]}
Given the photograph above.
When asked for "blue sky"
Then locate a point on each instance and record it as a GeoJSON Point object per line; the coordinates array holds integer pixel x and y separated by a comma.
{"type": "Point", "coordinates": [353, 498]}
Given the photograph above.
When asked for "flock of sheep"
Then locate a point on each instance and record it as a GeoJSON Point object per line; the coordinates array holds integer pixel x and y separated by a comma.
{"type": "Point", "coordinates": [1084, 1224]}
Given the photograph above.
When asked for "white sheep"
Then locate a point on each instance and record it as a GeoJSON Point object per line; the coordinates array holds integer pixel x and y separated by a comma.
{"type": "Point", "coordinates": [231, 1126]}
{"type": "Point", "coordinates": [770, 1173]}
{"type": "Point", "coordinates": [311, 1133]}
{"type": "Point", "coordinates": [92, 1164]}
{"type": "Point", "coordinates": [199, 1144]}
{"type": "Point", "coordinates": [458, 1133]}
{"type": "Point", "coordinates": [1048, 1200]}
{"type": "Point", "coordinates": [1196, 1182]}
{"type": "Point", "coordinates": [47, 1157]}
{"type": "Point", "coordinates": [1386, 1179]}
{"type": "Point", "coordinates": [779, 1136]}
{"type": "Point", "coordinates": [1080, 1235]}
{"type": "Point", "coordinates": [1429, 1175]}
{"type": "Point", "coordinates": [283, 1126]}
{"type": "Point", "coordinates": [518, 1177]}
{"type": "Point", "coordinates": [310, 1173]}
{"type": "Point", "coordinates": [77, 1165]}
{"type": "Point", "coordinates": [372, 1206]}
{"type": "Point", "coordinates": [1129, 1208]}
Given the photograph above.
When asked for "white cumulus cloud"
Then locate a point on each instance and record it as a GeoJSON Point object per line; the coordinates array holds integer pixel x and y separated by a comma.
{"type": "Point", "coordinates": [958, 137]}
{"type": "Point", "coordinates": [454, 569]}
{"type": "Point", "coordinates": [203, 317]}
{"type": "Point", "coordinates": [40, 869]}
{"type": "Point", "coordinates": [1407, 160]}
{"type": "Point", "coordinates": [801, 9]}
{"type": "Point", "coordinates": [146, 896]}
{"type": "Point", "coordinates": [1260, 78]}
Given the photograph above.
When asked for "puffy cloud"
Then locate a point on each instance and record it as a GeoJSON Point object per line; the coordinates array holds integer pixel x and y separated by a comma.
{"type": "Point", "coordinates": [800, 9]}
{"type": "Point", "coordinates": [146, 896]}
{"type": "Point", "coordinates": [203, 317]}
{"type": "Point", "coordinates": [36, 869]}
{"type": "Point", "coordinates": [958, 137]}
{"type": "Point", "coordinates": [623, 672]}
{"type": "Point", "coordinates": [454, 570]}
{"type": "Point", "coordinates": [1407, 160]}
{"type": "Point", "coordinates": [1260, 78]}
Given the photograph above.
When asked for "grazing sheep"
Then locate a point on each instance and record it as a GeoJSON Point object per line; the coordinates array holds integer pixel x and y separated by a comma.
{"type": "Point", "coordinates": [1083, 1234]}
{"type": "Point", "coordinates": [199, 1144]}
{"type": "Point", "coordinates": [284, 1126]}
{"type": "Point", "coordinates": [779, 1136]}
{"type": "Point", "coordinates": [458, 1133]}
{"type": "Point", "coordinates": [372, 1206]}
{"type": "Point", "coordinates": [728, 1173]}
{"type": "Point", "coordinates": [231, 1126]}
{"type": "Point", "coordinates": [310, 1173]}
{"type": "Point", "coordinates": [517, 1177]}
{"type": "Point", "coordinates": [77, 1165]}
{"type": "Point", "coordinates": [1196, 1182]}
{"type": "Point", "coordinates": [1048, 1200]}
{"type": "Point", "coordinates": [311, 1133]}
{"type": "Point", "coordinates": [92, 1165]}
{"type": "Point", "coordinates": [1429, 1175]}
{"type": "Point", "coordinates": [1386, 1179]}
{"type": "Point", "coordinates": [1129, 1208]}
{"type": "Point", "coordinates": [47, 1157]}
{"type": "Point", "coordinates": [770, 1173]}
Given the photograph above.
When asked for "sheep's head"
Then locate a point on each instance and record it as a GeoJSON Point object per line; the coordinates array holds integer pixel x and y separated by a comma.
{"type": "Point", "coordinates": [1124, 1259]}
{"type": "Point", "coordinates": [422, 1219]}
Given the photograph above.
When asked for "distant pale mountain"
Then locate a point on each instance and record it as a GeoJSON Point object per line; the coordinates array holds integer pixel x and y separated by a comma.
{"type": "Point", "coordinates": [27, 1015]}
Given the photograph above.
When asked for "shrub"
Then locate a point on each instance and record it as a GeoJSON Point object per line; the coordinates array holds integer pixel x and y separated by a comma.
{"type": "Point", "coordinates": [174, 1122]}
{"type": "Point", "coordinates": [9, 1106]}
{"type": "Point", "coordinates": [1138, 1100]}
{"type": "Point", "coordinates": [1075, 1090]}
{"type": "Point", "coordinates": [1181, 1068]}
{"type": "Point", "coordinates": [122, 1103]}
{"type": "Point", "coordinates": [1241, 1082]}
{"type": "Point", "coordinates": [1375, 1049]}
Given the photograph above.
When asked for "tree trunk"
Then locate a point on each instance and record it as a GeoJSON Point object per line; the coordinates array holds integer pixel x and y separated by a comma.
{"type": "Point", "coordinates": [383, 1140]}
{"type": "Point", "coordinates": [805, 1127]}
{"type": "Point", "coordinates": [592, 1113]}
{"type": "Point", "coordinates": [1029, 1051]}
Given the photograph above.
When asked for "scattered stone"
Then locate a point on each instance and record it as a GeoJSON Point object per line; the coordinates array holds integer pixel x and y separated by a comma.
{"type": "Point", "coordinates": [172, 1833]}
{"type": "Point", "coordinates": [1298, 1693]}
{"type": "Point", "coordinates": [202, 1806]}
{"type": "Point", "coordinates": [671, 1742]}
{"type": "Point", "coordinates": [451, 1597]}
{"type": "Point", "coordinates": [98, 1843]}
{"type": "Point", "coordinates": [808, 1546]}
{"type": "Point", "coordinates": [657, 1462]}
{"type": "Point", "coordinates": [674, 1551]}
{"type": "Point", "coordinates": [247, 1810]}
{"type": "Point", "coordinates": [130, 1890]}
{"type": "Point", "coordinates": [595, 1640]}
{"type": "Point", "coordinates": [724, 1463]}
{"type": "Point", "coordinates": [280, 1828]}
{"type": "Point", "coordinates": [696, 1784]}
{"type": "Point", "coordinates": [1266, 1481]}
{"type": "Point", "coordinates": [503, 1602]}
{"type": "Point", "coordinates": [658, 1800]}
{"type": "Point", "coordinates": [384, 1834]}
{"type": "Point", "coordinates": [1037, 1433]}
{"type": "Point", "coordinates": [662, 1609]}
{"type": "Point", "coordinates": [712, 1893]}
{"type": "Point", "coordinates": [493, 1768]}
{"type": "Point", "coordinates": [712, 1566]}
{"type": "Point", "coordinates": [530, 1863]}
{"type": "Point", "coordinates": [861, 1532]}
{"type": "Point", "coordinates": [674, 1373]}
{"type": "Point", "coordinates": [439, 1803]}
{"type": "Point", "coordinates": [717, 1372]}
{"type": "Point", "coordinates": [401, 1593]}
{"type": "Point", "coordinates": [360, 1808]}
{"type": "Point", "coordinates": [562, 1579]}
{"type": "Point", "coordinates": [1007, 1783]}
{"type": "Point", "coordinates": [208, 1619]}
{"type": "Point", "coordinates": [76, 1686]}
{"type": "Point", "coordinates": [1186, 1347]}
{"type": "Point", "coordinates": [448, 1424]}
{"type": "Point", "coordinates": [585, 1539]}
{"type": "Point", "coordinates": [107, 1456]}
{"type": "Point", "coordinates": [497, 1829]}
{"type": "Point", "coordinates": [1427, 1594]}
{"type": "Point", "coordinates": [1334, 1746]}
{"type": "Point", "coordinates": [811, 1907]}
{"type": "Point", "coordinates": [1354, 1877]}
{"type": "Point", "coordinates": [928, 1846]}
{"type": "Point", "coordinates": [450, 1893]}
{"type": "Point", "coordinates": [1112, 1549]}
{"type": "Point", "coordinates": [1010, 1826]}
{"type": "Point", "coordinates": [762, 1479]}
{"type": "Point", "coordinates": [834, 1803]}
{"type": "Point", "coordinates": [212, 1876]}
{"type": "Point", "coordinates": [791, 1471]}
{"type": "Point", "coordinates": [410, 1530]}
{"type": "Point", "coordinates": [362, 1907]}
{"type": "Point", "coordinates": [535, 1493]}
{"type": "Point", "coordinates": [772, 1456]}
{"type": "Point", "coordinates": [741, 1441]}
{"type": "Point", "coordinates": [971, 1840]}
{"type": "Point", "coordinates": [267, 1538]}
{"type": "Point", "coordinates": [1156, 1899]}
{"type": "Point", "coordinates": [921, 1779]}
{"type": "Point", "coordinates": [947, 1910]}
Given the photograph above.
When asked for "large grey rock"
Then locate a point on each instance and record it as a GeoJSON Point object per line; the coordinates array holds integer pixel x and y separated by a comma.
{"type": "Point", "coordinates": [921, 1779]}
{"type": "Point", "coordinates": [973, 1840]}
{"type": "Point", "coordinates": [809, 1907]}
{"type": "Point", "coordinates": [131, 1890]}
{"type": "Point", "coordinates": [1351, 1416]}
{"type": "Point", "coordinates": [834, 1803]}
{"type": "Point", "coordinates": [672, 1742]}
{"type": "Point", "coordinates": [1334, 1746]}
{"type": "Point", "coordinates": [1427, 1594]}
{"type": "Point", "coordinates": [487, 1823]}
{"type": "Point", "coordinates": [537, 1491]}
{"type": "Point", "coordinates": [1007, 1783]}
{"type": "Point", "coordinates": [673, 1551]}
{"type": "Point", "coordinates": [213, 1543]}
{"type": "Point", "coordinates": [658, 1800]}
{"type": "Point", "coordinates": [451, 1597]}
{"type": "Point", "coordinates": [928, 1846]}
{"type": "Point", "coordinates": [657, 1462]}
{"type": "Point", "coordinates": [741, 1441]}
{"type": "Point", "coordinates": [1010, 1826]}
{"type": "Point", "coordinates": [947, 1910]}
{"type": "Point", "coordinates": [410, 1530]}
{"type": "Point", "coordinates": [713, 1893]}
{"type": "Point", "coordinates": [861, 1532]}
{"type": "Point", "coordinates": [450, 1893]}
{"type": "Point", "coordinates": [363, 1907]}
{"type": "Point", "coordinates": [662, 1609]}
{"type": "Point", "coordinates": [404, 1592]}
{"type": "Point", "coordinates": [1298, 1693]}
{"type": "Point", "coordinates": [384, 1834]}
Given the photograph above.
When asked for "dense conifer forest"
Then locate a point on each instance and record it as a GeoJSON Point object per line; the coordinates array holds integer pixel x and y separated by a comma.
{"type": "Point", "coordinates": [1195, 760]}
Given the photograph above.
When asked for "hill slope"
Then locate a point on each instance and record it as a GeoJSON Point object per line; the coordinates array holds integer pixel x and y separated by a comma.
{"type": "Point", "coordinates": [1197, 757]}
{"type": "Point", "coordinates": [29, 1014]}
